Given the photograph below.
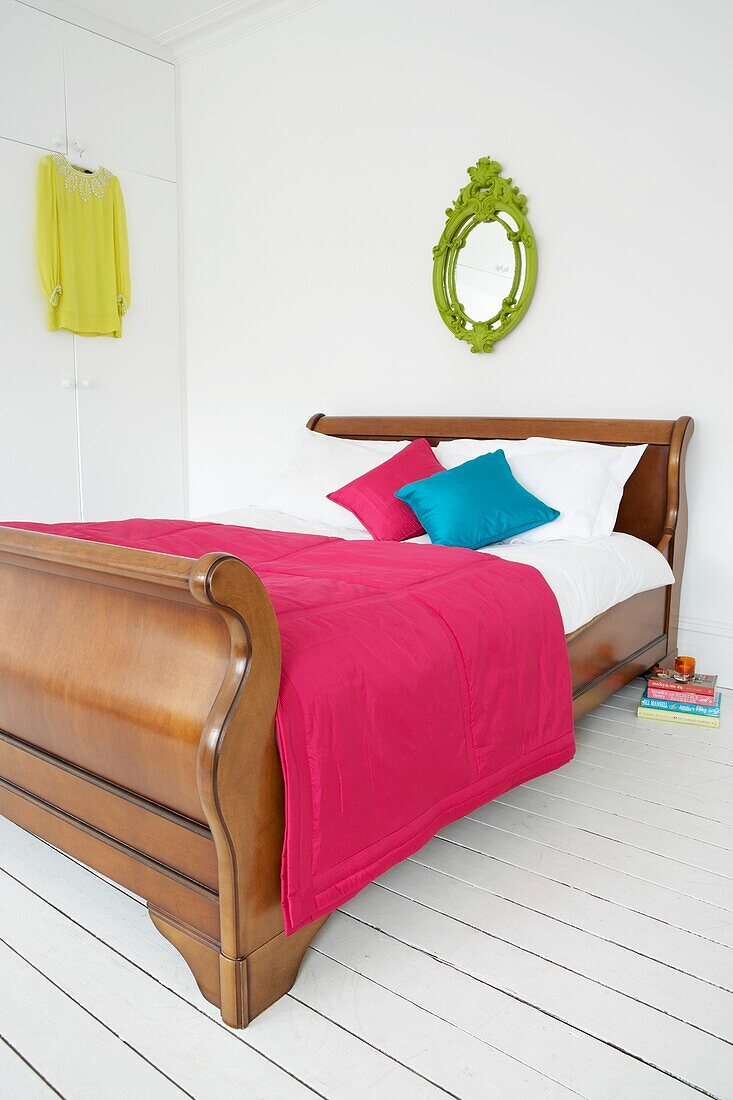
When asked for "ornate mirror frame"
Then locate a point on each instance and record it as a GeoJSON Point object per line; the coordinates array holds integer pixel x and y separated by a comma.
{"type": "Point", "coordinates": [486, 198]}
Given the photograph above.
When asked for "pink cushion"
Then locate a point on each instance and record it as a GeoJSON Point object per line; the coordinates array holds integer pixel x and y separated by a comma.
{"type": "Point", "coordinates": [371, 497]}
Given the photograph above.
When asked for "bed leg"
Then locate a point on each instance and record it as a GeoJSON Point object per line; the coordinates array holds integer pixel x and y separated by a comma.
{"type": "Point", "coordinates": [240, 988]}
{"type": "Point", "coordinates": [222, 981]}
{"type": "Point", "coordinates": [200, 952]}
{"type": "Point", "coordinates": [273, 968]}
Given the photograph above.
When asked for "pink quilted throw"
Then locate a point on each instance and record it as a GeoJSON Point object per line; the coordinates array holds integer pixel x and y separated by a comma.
{"type": "Point", "coordinates": [418, 682]}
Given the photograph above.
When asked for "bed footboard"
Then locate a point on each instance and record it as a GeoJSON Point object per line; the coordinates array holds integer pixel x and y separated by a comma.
{"type": "Point", "coordinates": [137, 702]}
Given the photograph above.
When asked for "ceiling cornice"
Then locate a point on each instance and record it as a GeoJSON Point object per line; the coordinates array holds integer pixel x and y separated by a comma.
{"type": "Point", "coordinates": [227, 22]}
{"type": "Point", "coordinates": [88, 21]}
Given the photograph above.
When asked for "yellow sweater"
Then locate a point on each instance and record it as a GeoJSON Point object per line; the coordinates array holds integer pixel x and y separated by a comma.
{"type": "Point", "coordinates": [82, 248]}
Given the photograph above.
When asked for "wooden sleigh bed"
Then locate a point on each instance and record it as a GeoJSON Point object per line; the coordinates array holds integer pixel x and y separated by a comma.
{"type": "Point", "coordinates": [138, 691]}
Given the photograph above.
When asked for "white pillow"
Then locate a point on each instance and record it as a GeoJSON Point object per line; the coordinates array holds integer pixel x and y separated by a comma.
{"type": "Point", "coordinates": [321, 464]}
{"type": "Point", "coordinates": [584, 481]}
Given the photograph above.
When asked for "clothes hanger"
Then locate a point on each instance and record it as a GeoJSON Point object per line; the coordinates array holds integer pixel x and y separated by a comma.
{"type": "Point", "coordinates": [77, 158]}
{"type": "Point", "coordinates": [76, 155]}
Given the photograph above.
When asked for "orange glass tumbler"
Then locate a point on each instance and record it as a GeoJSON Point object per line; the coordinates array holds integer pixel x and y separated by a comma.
{"type": "Point", "coordinates": [684, 668]}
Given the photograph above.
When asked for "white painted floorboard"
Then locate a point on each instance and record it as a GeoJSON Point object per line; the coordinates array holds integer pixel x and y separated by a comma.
{"type": "Point", "coordinates": [572, 938]}
{"type": "Point", "coordinates": [19, 1078]}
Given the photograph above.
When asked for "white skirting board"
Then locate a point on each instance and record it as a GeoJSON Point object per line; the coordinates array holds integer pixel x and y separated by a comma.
{"type": "Point", "coordinates": [711, 644]}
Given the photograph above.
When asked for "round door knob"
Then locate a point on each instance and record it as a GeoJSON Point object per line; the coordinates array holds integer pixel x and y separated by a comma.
{"type": "Point", "coordinates": [87, 383]}
{"type": "Point", "coordinates": [67, 383]}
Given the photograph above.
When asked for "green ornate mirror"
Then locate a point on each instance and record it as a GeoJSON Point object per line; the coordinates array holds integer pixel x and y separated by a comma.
{"type": "Point", "coordinates": [485, 263]}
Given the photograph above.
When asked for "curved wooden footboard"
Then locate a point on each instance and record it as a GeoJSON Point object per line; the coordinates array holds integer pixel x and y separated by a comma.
{"type": "Point", "coordinates": [137, 701]}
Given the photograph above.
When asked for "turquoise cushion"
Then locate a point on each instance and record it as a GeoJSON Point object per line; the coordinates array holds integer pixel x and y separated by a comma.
{"type": "Point", "coordinates": [475, 504]}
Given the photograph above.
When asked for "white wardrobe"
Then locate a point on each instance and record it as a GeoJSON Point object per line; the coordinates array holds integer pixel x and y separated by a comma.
{"type": "Point", "coordinates": [90, 428]}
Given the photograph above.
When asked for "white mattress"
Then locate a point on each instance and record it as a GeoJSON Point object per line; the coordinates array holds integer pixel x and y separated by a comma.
{"type": "Point", "coordinates": [587, 577]}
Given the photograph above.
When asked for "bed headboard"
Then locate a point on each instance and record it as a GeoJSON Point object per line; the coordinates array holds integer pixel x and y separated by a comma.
{"type": "Point", "coordinates": [654, 503]}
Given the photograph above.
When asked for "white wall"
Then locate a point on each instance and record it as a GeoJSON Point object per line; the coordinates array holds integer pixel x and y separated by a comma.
{"type": "Point", "coordinates": [317, 159]}
{"type": "Point", "coordinates": [90, 428]}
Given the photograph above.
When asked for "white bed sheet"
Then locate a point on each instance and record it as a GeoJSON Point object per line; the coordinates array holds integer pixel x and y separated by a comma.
{"type": "Point", "coordinates": [587, 577]}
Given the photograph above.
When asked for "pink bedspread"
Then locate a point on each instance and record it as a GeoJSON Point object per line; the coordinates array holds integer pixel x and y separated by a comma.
{"type": "Point", "coordinates": [418, 682]}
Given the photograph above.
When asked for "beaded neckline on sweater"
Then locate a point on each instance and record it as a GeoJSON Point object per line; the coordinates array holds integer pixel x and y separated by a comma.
{"type": "Point", "coordinates": [75, 180]}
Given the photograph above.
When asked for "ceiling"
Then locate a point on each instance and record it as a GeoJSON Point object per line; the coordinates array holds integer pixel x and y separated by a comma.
{"type": "Point", "coordinates": [151, 18]}
{"type": "Point", "coordinates": [187, 27]}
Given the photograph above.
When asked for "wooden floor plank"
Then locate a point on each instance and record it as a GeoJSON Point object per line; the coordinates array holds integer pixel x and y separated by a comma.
{"type": "Point", "coordinates": [73, 1051]}
{"type": "Point", "coordinates": [721, 788]}
{"type": "Point", "coordinates": [665, 758]}
{"type": "Point", "coordinates": [682, 877]}
{"type": "Point", "coordinates": [651, 771]}
{"type": "Point", "coordinates": [622, 725]}
{"type": "Point", "coordinates": [688, 1055]}
{"type": "Point", "coordinates": [613, 826]}
{"type": "Point", "coordinates": [659, 902]}
{"type": "Point", "coordinates": [648, 936]}
{"type": "Point", "coordinates": [567, 785]}
{"type": "Point", "coordinates": [620, 735]}
{"type": "Point", "coordinates": [552, 1047]}
{"type": "Point", "coordinates": [644, 980]}
{"type": "Point", "coordinates": [441, 1052]}
{"type": "Point", "coordinates": [654, 792]}
{"type": "Point", "coordinates": [18, 1079]}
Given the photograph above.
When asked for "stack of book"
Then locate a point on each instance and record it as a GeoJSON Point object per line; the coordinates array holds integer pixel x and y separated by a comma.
{"type": "Point", "coordinates": [668, 700]}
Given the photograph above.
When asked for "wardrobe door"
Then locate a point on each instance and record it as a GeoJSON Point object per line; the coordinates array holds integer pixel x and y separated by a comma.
{"type": "Point", "coordinates": [120, 104]}
{"type": "Point", "coordinates": [39, 477]}
{"type": "Point", "coordinates": [129, 389]}
{"type": "Point", "coordinates": [31, 95]}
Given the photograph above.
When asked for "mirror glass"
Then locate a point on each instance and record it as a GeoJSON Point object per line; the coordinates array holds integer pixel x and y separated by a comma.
{"type": "Point", "coordinates": [485, 270]}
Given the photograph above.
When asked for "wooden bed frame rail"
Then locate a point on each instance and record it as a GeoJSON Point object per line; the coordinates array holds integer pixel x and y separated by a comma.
{"type": "Point", "coordinates": [138, 692]}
